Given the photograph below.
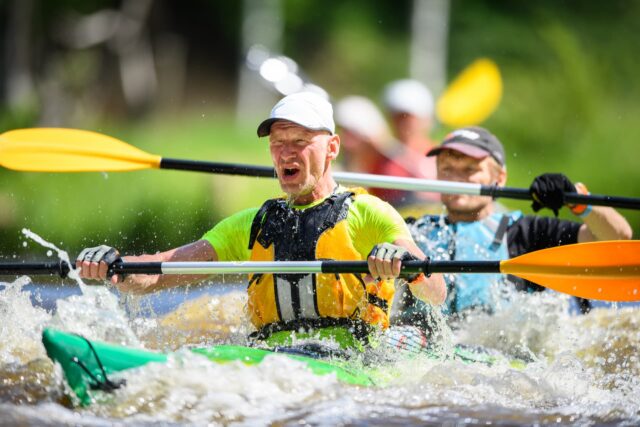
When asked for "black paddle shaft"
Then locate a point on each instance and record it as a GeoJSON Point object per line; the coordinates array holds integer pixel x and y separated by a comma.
{"type": "Point", "coordinates": [485, 190]}
{"type": "Point", "coordinates": [572, 198]}
{"type": "Point", "coordinates": [60, 268]}
{"type": "Point", "coordinates": [411, 267]}
{"type": "Point", "coordinates": [218, 168]}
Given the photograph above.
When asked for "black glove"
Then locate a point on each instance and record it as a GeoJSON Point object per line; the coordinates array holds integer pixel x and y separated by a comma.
{"type": "Point", "coordinates": [548, 191]}
{"type": "Point", "coordinates": [100, 253]}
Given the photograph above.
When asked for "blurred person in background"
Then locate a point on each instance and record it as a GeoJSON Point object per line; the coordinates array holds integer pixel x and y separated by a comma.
{"type": "Point", "coordinates": [473, 229]}
{"type": "Point", "coordinates": [410, 106]}
{"type": "Point", "coordinates": [364, 134]}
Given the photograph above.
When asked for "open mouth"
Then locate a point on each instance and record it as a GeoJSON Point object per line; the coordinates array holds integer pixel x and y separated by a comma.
{"type": "Point", "coordinates": [290, 172]}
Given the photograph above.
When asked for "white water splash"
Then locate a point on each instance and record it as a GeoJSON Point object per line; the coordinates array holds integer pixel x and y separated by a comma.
{"type": "Point", "coordinates": [561, 386]}
{"type": "Point", "coordinates": [586, 372]}
{"type": "Point", "coordinates": [63, 255]}
{"type": "Point", "coordinates": [189, 388]}
{"type": "Point", "coordinates": [20, 324]}
{"type": "Point", "coordinates": [95, 314]}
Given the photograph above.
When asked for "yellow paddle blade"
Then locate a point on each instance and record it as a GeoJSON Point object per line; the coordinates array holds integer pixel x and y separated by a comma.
{"type": "Point", "coordinates": [608, 271]}
{"type": "Point", "coordinates": [472, 97]}
{"type": "Point", "coordinates": [70, 150]}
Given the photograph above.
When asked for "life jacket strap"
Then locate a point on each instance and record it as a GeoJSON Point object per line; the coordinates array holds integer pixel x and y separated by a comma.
{"type": "Point", "coordinates": [500, 232]}
{"type": "Point", "coordinates": [377, 301]}
{"type": "Point", "coordinates": [256, 225]}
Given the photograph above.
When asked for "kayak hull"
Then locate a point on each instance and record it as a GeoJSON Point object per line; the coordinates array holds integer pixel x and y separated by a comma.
{"type": "Point", "coordinates": [87, 364]}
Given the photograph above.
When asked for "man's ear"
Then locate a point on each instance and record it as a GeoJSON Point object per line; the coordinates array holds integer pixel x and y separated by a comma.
{"type": "Point", "coordinates": [333, 147]}
{"type": "Point", "coordinates": [501, 176]}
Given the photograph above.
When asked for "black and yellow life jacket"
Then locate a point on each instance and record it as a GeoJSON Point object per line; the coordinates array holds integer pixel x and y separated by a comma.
{"type": "Point", "coordinates": [302, 301]}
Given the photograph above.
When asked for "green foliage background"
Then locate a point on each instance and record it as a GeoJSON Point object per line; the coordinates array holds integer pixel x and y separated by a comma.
{"type": "Point", "coordinates": [570, 105]}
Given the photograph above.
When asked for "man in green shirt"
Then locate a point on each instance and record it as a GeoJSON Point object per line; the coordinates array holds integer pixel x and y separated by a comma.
{"type": "Point", "coordinates": [317, 219]}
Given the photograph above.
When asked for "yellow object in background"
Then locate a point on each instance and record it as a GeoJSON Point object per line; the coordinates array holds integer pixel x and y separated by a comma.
{"type": "Point", "coordinates": [472, 97]}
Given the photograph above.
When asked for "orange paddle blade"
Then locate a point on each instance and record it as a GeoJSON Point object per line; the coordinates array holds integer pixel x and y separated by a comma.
{"type": "Point", "coordinates": [70, 150]}
{"type": "Point", "coordinates": [608, 271]}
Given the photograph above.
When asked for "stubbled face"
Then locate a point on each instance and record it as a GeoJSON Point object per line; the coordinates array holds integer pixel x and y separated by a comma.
{"type": "Point", "coordinates": [301, 158]}
{"type": "Point", "coordinates": [455, 166]}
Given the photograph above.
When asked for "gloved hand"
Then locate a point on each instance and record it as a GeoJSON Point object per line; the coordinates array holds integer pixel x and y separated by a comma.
{"type": "Point", "coordinates": [95, 262]}
{"type": "Point", "coordinates": [385, 260]}
{"type": "Point", "coordinates": [548, 191]}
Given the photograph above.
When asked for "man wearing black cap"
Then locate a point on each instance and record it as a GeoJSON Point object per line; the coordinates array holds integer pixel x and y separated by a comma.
{"type": "Point", "coordinates": [475, 228]}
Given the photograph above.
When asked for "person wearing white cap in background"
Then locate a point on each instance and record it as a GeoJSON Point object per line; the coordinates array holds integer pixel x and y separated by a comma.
{"type": "Point", "coordinates": [316, 219]}
{"type": "Point", "coordinates": [410, 105]}
{"type": "Point", "coordinates": [364, 134]}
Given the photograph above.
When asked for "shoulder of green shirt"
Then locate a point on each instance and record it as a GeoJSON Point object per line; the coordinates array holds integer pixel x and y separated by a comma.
{"type": "Point", "coordinates": [372, 221]}
{"type": "Point", "coordinates": [373, 205]}
{"type": "Point", "coordinates": [370, 218]}
{"type": "Point", "coordinates": [230, 237]}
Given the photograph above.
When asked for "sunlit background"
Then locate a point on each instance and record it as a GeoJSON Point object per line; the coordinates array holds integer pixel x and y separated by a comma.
{"type": "Point", "coordinates": [192, 80]}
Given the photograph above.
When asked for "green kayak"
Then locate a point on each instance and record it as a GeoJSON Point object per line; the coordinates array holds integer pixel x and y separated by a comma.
{"type": "Point", "coordinates": [87, 365]}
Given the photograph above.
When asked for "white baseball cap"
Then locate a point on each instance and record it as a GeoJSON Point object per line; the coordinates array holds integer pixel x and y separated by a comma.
{"type": "Point", "coordinates": [307, 109]}
{"type": "Point", "coordinates": [358, 114]}
{"type": "Point", "coordinates": [408, 96]}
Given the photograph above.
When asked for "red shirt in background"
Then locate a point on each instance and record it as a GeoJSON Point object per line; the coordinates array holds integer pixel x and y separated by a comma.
{"type": "Point", "coordinates": [404, 162]}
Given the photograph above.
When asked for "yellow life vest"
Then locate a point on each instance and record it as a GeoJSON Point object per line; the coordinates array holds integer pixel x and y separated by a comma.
{"type": "Point", "coordinates": [294, 301]}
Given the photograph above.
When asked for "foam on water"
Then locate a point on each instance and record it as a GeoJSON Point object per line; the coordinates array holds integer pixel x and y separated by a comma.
{"type": "Point", "coordinates": [95, 313]}
{"type": "Point", "coordinates": [583, 369]}
{"type": "Point", "coordinates": [190, 388]}
{"type": "Point", "coordinates": [20, 324]}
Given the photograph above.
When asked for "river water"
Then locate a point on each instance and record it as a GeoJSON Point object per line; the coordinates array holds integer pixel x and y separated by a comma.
{"type": "Point", "coordinates": [584, 370]}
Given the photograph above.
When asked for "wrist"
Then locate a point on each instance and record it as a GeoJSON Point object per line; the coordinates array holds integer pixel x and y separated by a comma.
{"type": "Point", "coordinates": [420, 278]}
{"type": "Point", "coordinates": [431, 291]}
{"type": "Point", "coordinates": [580, 210]}
{"type": "Point", "coordinates": [417, 285]}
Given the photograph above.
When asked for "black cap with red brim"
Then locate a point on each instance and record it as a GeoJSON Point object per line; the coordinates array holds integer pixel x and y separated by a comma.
{"type": "Point", "coordinates": [474, 142]}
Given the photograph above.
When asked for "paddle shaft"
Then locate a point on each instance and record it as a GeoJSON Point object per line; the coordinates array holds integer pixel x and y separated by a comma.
{"type": "Point", "coordinates": [607, 271]}
{"type": "Point", "coordinates": [60, 268]}
{"type": "Point", "coordinates": [401, 183]}
{"type": "Point", "coordinates": [277, 267]}
{"type": "Point", "coordinates": [73, 150]}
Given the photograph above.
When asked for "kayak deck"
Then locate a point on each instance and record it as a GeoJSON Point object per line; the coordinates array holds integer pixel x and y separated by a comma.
{"type": "Point", "coordinates": [87, 364]}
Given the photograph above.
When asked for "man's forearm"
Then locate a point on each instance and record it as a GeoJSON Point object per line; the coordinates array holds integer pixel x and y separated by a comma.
{"type": "Point", "coordinates": [604, 223]}
{"type": "Point", "coordinates": [144, 283]}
